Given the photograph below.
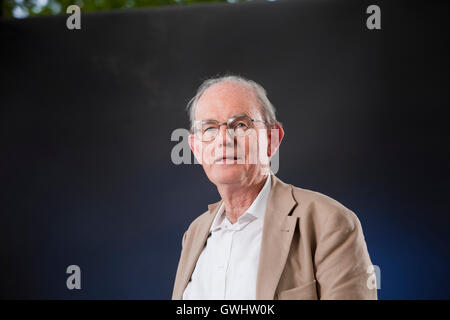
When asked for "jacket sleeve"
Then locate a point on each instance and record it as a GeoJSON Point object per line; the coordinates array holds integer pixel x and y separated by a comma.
{"type": "Point", "coordinates": [184, 239]}
{"type": "Point", "coordinates": [342, 260]}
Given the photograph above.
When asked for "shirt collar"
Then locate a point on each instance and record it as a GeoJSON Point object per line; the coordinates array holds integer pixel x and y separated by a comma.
{"type": "Point", "coordinates": [256, 210]}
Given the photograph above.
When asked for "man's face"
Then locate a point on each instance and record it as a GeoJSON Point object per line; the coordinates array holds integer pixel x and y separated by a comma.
{"type": "Point", "coordinates": [229, 159]}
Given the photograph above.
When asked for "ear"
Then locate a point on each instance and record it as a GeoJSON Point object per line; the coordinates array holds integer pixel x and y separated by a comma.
{"type": "Point", "coordinates": [275, 135]}
{"type": "Point", "coordinates": [195, 147]}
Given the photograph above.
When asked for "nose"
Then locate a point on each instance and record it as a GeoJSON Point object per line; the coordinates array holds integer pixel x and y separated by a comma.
{"type": "Point", "coordinates": [224, 138]}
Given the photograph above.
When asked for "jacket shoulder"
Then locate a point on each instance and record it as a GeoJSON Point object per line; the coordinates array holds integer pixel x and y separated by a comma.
{"type": "Point", "coordinates": [204, 217]}
{"type": "Point", "coordinates": [197, 221]}
{"type": "Point", "coordinates": [338, 247]}
{"type": "Point", "coordinates": [313, 205]}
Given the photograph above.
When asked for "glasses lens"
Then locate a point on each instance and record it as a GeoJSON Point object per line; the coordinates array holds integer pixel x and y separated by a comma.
{"type": "Point", "coordinates": [241, 125]}
{"type": "Point", "coordinates": [208, 131]}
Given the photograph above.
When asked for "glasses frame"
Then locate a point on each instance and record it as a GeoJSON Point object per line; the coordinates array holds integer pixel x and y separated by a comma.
{"type": "Point", "coordinates": [219, 124]}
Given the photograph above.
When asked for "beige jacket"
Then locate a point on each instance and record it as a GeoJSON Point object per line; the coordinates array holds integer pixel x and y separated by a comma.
{"type": "Point", "coordinates": [312, 248]}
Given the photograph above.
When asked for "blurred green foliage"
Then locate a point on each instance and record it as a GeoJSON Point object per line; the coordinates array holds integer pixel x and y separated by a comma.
{"type": "Point", "coordinates": [29, 8]}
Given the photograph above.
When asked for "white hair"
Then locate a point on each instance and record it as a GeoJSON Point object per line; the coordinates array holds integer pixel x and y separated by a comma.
{"type": "Point", "coordinates": [268, 110]}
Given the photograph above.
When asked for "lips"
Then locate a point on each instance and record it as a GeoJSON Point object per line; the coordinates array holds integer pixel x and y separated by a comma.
{"type": "Point", "coordinates": [226, 159]}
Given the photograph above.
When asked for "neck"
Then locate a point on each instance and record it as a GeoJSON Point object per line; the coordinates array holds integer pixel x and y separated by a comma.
{"type": "Point", "coordinates": [238, 198]}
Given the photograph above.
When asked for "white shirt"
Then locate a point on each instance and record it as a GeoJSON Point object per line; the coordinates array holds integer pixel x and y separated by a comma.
{"type": "Point", "coordinates": [228, 265]}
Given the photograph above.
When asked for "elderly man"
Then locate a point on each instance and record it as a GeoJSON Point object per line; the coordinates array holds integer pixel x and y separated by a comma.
{"type": "Point", "coordinates": [264, 239]}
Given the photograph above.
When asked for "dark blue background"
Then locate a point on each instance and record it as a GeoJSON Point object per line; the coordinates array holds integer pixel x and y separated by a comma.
{"type": "Point", "coordinates": [86, 119]}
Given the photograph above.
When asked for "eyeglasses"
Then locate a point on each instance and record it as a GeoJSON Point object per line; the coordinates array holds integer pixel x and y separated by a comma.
{"type": "Point", "coordinates": [208, 130]}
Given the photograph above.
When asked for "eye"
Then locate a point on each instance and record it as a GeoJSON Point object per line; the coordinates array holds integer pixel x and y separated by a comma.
{"type": "Point", "coordinates": [241, 125]}
{"type": "Point", "coordinates": [208, 128]}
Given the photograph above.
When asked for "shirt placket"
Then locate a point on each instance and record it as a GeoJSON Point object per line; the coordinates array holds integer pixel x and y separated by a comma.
{"type": "Point", "coordinates": [225, 263]}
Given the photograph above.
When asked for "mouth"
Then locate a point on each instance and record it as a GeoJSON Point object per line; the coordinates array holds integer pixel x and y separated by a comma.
{"type": "Point", "coordinates": [226, 159]}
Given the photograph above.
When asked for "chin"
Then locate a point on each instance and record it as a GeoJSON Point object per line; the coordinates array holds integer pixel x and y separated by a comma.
{"type": "Point", "coordinates": [226, 173]}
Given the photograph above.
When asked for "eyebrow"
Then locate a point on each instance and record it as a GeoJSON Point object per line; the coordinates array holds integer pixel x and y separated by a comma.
{"type": "Point", "coordinates": [233, 116]}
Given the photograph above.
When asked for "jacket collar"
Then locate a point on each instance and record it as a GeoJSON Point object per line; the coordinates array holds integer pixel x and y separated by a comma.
{"type": "Point", "coordinates": [279, 227]}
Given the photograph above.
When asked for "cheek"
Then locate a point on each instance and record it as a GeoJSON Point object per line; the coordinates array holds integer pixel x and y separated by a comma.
{"type": "Point", "coordinates": [263, 145]}
{"type": "Point", "coordinates": [208, 153]}
{"type": "Point", "coordinates": [248, 147]}
{"type": "Point", "coordinates": [256, 149]}
{"type": "Point", "coordinates": [241, 146]}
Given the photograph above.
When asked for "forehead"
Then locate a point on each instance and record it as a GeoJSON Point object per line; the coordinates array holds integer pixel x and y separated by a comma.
{"type": "Point", "coordinates": [226, 99]}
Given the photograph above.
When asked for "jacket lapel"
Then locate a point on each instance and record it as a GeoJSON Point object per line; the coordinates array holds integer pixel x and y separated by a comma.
{"type": "Point", "coordinates": [194, 246]}
{"type": "Point", "coordinates": [278, 230]}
